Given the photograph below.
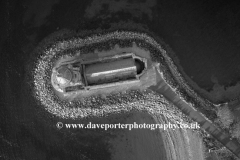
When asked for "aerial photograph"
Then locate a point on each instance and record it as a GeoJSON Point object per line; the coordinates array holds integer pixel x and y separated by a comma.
{"type": "Point", "coordinates": [119, 80]}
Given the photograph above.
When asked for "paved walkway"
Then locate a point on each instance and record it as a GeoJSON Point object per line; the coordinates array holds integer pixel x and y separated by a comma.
{"type": "Point", "coordinates": [163, 88]}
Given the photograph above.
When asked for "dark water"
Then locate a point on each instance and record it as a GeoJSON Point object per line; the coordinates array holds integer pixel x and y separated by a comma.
{"type": "Point", "coordinates": [205, 37]}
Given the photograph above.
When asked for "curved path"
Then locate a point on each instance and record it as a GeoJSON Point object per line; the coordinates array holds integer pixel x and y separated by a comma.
{"type": "Point", "coordinates": [164, 89]}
